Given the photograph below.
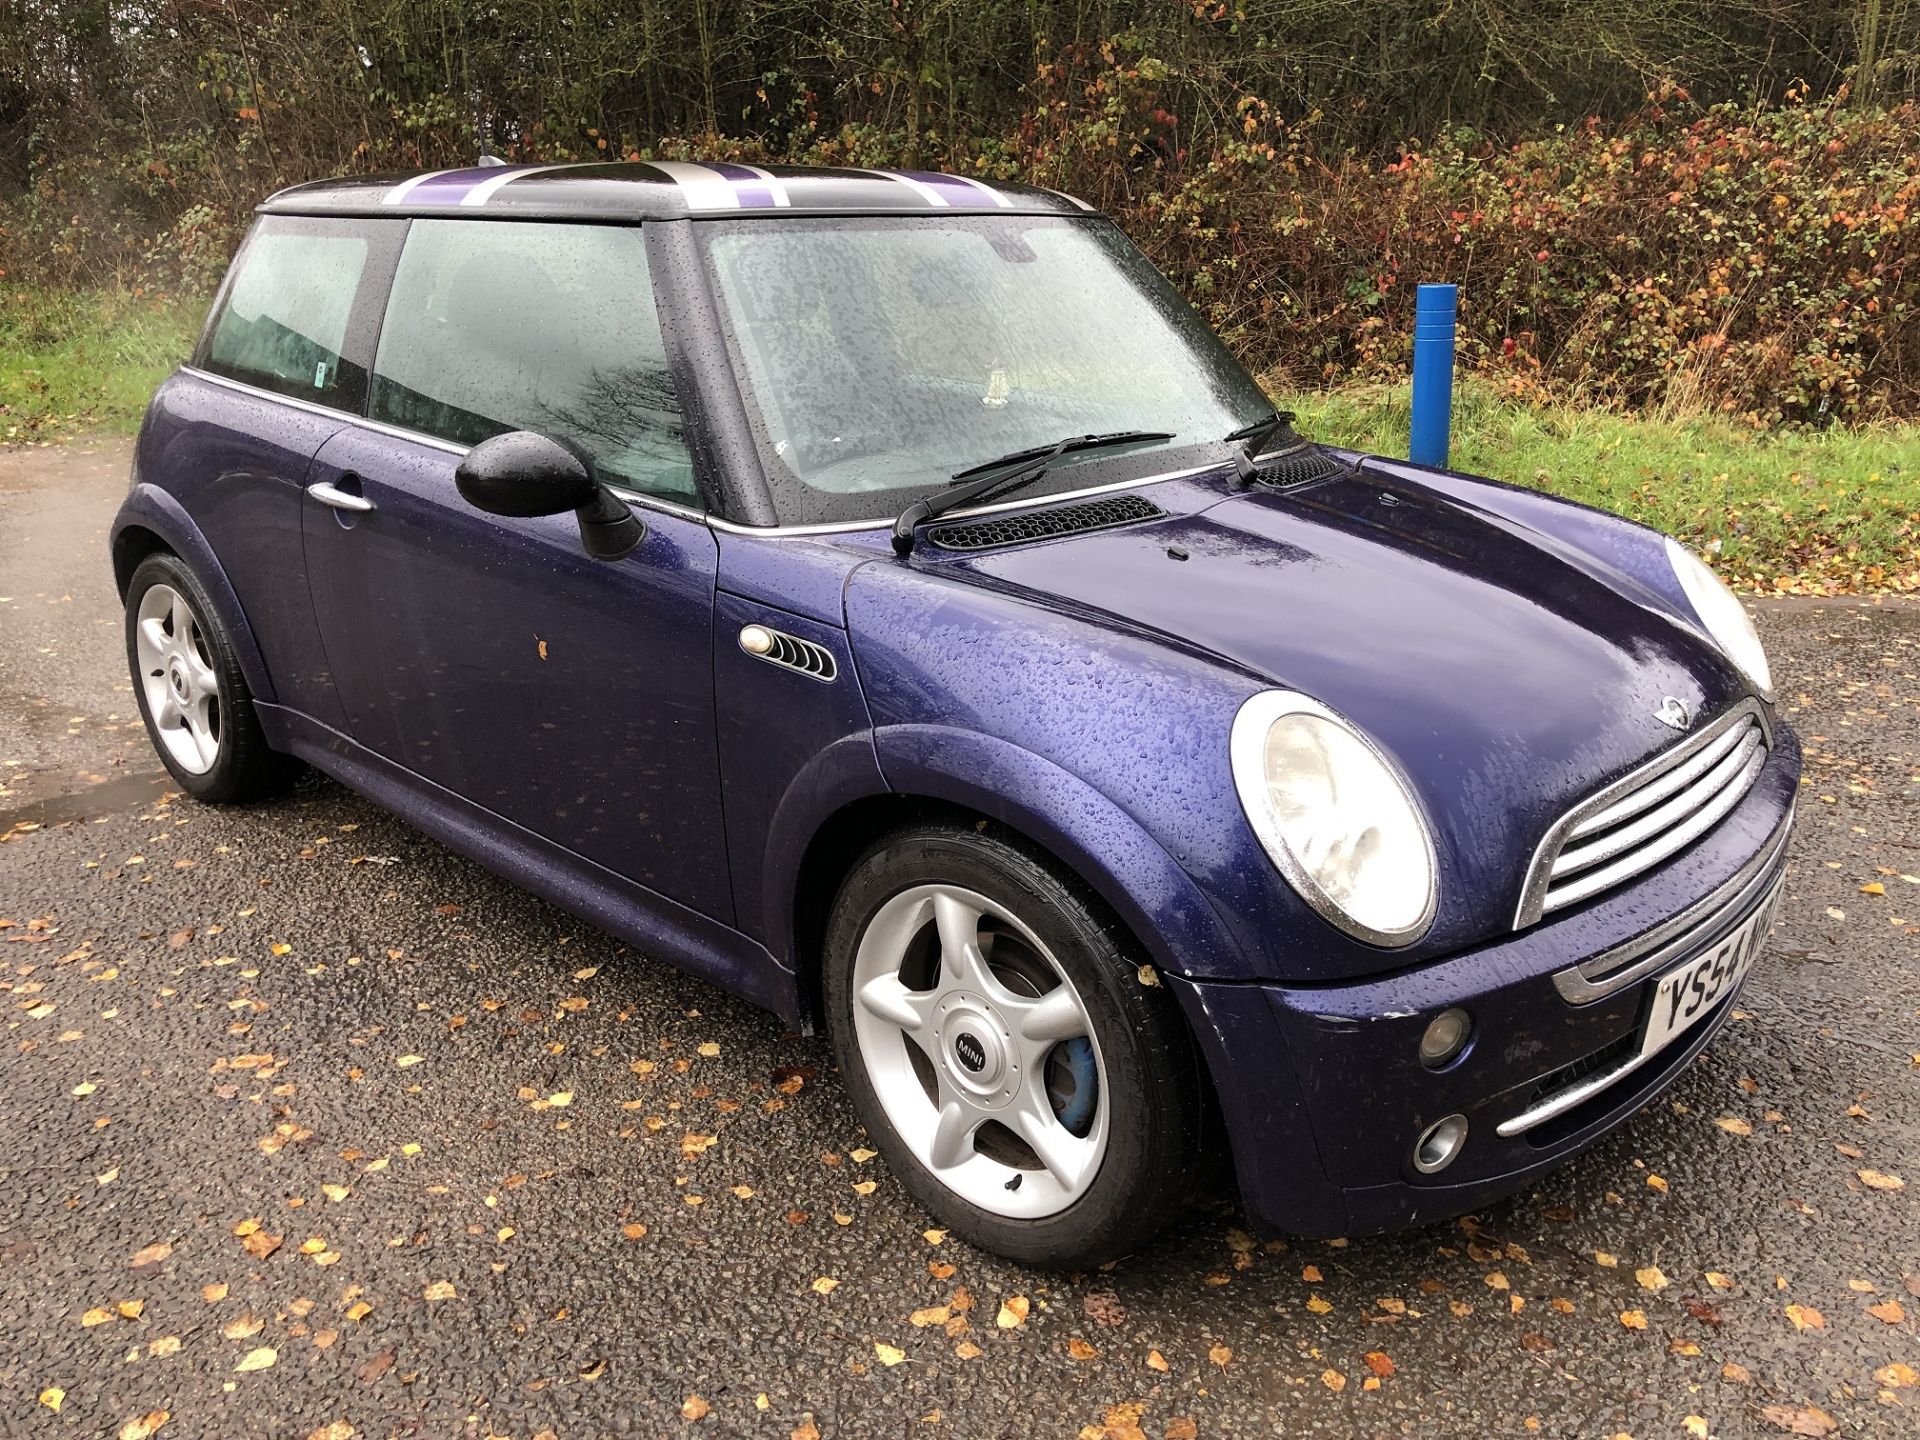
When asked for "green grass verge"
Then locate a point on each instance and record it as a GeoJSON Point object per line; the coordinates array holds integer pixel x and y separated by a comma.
{"type": "Point", "coordinates": [86, 361]}
{"type": "Point", "coordinates": [1828, 511]}
{"type": "Point", "coordinates": [1791, 511]}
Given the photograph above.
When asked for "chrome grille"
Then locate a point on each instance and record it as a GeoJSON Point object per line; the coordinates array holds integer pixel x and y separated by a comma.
{"type": "Point", "coordinates": [1648, 817]}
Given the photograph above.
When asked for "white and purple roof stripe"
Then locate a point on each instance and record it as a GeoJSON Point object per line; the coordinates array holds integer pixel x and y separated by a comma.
{"type": "Point", "coordinates": [724, 186]}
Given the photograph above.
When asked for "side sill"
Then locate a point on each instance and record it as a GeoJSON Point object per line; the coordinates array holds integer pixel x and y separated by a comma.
{"type": "Point", "coordinates": [660, 928]}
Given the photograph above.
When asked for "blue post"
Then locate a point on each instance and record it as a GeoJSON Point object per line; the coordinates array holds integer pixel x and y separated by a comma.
{"type": "Point", "coordinates": [1433, 312]}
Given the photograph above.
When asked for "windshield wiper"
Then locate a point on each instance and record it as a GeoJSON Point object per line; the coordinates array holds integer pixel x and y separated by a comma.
{"type": "Point", "coordinates": [1256, 437]}
{"type": "Point", "coordinates": [1016, 468]}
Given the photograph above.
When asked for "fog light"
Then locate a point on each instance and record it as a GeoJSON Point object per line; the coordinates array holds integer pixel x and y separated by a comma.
{"type": "Point", "coordinates": [1442, 1141]}
{"type": "Point", "coordinates": [1446, 1037]}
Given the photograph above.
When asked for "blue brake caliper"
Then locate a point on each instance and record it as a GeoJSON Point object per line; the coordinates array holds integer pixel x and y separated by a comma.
{"type": "Point", "coordinates": [1077, 1113]}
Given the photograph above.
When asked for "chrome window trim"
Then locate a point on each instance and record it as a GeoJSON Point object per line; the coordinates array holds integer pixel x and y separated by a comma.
{"type": "Point", "coordinates": [1612, 970]}
{"type": "Point", "coordinates": [346, 417]}
{"type": "Point", "coordinates": [1539, 870]}
{"type": "Point", "coordinates": [654, 502]}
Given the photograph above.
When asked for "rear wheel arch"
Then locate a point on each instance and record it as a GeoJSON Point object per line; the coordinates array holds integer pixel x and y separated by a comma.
{"type": "Point", "coordinates": [131, 545]}
{"type": "Point", "coordinates": [153, 522]}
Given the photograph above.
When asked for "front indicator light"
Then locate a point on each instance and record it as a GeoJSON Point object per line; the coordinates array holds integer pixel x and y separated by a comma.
{"type": "Point", "coordinates": [1439, 1144]}
{"type": "Point", "coordinates": [1445, 1038]}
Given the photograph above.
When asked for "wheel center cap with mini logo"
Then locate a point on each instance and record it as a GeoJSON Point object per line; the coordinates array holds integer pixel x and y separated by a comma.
{"type": "Point", "coordinates": [177, 677]}
{"type": "Point", "coordinates": [976, 1049]}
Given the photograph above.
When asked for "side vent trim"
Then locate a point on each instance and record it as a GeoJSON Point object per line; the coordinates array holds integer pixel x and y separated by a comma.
{"type": "Point", "coordinates": [1047, 524]}
{"type": "Point", "coordinates": [790, 652]}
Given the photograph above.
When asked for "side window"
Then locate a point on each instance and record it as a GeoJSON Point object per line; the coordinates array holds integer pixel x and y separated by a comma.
{"type": "Point", "coordinates": [284, 321]}
{"type": "Point", "coordinates": [501, 325]}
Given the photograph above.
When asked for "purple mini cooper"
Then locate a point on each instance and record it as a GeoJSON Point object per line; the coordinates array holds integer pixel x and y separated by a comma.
{"type": "Point", "coordinates": [879, 592]}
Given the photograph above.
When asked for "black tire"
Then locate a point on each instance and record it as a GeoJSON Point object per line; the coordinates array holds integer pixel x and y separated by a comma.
{"type": "Point", "coordinates": [244, 767]}
{"type": "Point", "coordinates": [1154, 1091]}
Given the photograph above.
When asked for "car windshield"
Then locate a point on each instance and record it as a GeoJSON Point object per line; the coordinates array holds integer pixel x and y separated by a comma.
{"type": "Point", "coordinates": [880, 355]}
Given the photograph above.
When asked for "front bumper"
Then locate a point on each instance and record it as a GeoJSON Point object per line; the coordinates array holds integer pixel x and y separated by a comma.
{"type": "Point", "coordinates": [1324, 1094]}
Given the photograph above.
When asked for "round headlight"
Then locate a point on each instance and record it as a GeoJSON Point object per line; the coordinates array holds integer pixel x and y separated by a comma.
{"type": "Point", "coordinates": [1722, 615]}
{"type": "Point", "coordinates": [1335, 817]}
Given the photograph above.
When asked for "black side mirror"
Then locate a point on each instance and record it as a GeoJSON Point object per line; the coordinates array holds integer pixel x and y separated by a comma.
{"type": "Point", "coordinates": [523, 474]}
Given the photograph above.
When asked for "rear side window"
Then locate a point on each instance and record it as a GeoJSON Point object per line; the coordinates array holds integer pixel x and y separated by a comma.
{"type": "Point", "coordinates": [499, 325]}
{"type": "Point", "coordinates": [285, 320]}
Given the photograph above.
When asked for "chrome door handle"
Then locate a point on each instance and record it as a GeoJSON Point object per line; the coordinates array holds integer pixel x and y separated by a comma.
{"type": "Point", "coordinates": [338, 499]}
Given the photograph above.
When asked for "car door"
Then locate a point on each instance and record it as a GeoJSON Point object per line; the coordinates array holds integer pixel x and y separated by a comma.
{"type": "Point", "coordinates": [490, 655]}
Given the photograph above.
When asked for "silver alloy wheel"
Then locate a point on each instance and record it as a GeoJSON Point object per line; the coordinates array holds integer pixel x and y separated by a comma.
{"type": "Point", "coordinates": [176, 672]}
{"type": "Point", "coordinates": [962, 1016]}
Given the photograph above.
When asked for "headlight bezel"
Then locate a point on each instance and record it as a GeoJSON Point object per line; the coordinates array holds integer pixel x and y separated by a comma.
{"type": "Point", "coordinates": [1706, 595]}
{"type": "Point", "coordinates": [1247, 753]}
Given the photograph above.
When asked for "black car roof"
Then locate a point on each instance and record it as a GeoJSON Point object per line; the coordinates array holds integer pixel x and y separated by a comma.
{"type": "Point", "coordinates": [662, 189]}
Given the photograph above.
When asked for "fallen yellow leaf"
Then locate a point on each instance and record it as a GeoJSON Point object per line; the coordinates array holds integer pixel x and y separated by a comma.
{"type": "Point", "coordinates": [888, 1354]}
{"type": "Point", "coordinates": [1652, 1277]}
{"type": "Point", "coordinates": [824, 1285]}
{"type": "Point", "coordinates": [1634, 1319]}
{"type": "Point", "coordinates": [51, 1398]}
{"type": "Point", "coordinates": [261, 1358]}
{"type": "Point", "coordinates": [1874, 1180]}
{"type": "Point", "coordinates": [1013, 1312]}
{"type": "Point", "coordinates": [440, 1290]}
{"type": "Point", "coordinates": [1805, 1317]}
{"type": "Point", "coordinates": [694, 1408]}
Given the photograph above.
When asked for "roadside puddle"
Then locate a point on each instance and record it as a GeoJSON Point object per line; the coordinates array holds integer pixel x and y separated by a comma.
{"type": "Point", "coordinates": [111, 797]}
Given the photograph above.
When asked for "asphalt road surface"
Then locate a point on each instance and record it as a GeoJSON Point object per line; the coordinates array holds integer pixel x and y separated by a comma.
{"type": "Point", "coordinates": [309, 1127]}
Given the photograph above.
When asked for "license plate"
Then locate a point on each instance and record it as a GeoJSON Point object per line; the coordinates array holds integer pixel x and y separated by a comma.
{"type": "Point", "coordinates": [1686, 993]}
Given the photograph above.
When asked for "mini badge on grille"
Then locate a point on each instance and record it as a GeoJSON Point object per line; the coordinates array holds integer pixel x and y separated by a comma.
{"type": "Point", "coordinates": [1674, 712]}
